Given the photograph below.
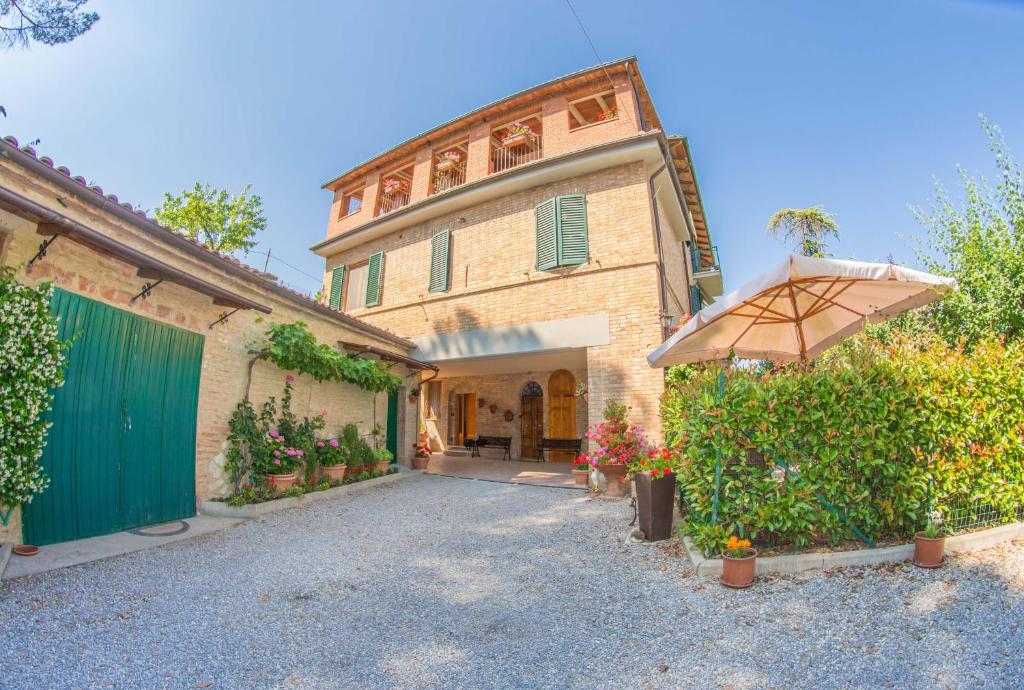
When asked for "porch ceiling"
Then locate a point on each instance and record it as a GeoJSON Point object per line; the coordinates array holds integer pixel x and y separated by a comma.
{"type": "Point", "coordinates": [513, 364]}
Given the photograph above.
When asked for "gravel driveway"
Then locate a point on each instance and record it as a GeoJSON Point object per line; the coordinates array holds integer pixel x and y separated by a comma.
{"type": "Point", "coordinates": [439, 582]}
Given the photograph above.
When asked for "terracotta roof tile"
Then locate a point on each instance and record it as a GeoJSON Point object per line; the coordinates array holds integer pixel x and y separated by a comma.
{"type": "Point", "coordinates": [141, 213]}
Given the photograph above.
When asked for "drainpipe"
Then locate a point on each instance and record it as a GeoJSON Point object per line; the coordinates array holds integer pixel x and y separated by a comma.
{"type": "Point", "coordinates": [662, 280]}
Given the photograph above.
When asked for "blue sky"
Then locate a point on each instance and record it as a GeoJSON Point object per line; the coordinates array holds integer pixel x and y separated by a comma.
{"type": "Point", "coordinates": [856, 106]}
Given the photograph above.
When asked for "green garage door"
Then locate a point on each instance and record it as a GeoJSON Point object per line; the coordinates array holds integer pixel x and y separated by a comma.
{"type": "Point", "coordinates": [121, 451]}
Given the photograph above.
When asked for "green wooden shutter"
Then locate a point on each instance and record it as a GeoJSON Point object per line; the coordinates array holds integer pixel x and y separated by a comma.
{"type": "Point", "coordinates": [696, 301]}
{"type": "Point", "coordinates": [547, 236]}
{"type": "Point", "coordinates": [337, 283]}
{"type": "Point", "coordinates": [374, 279]}
{"type": "Point", "coordinates": [573, 249]}
{"type": "Point", "coordinates": [439, 246]}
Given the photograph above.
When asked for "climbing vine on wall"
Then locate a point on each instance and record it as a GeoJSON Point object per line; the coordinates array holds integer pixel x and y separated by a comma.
{"type": "Point", "coordinates": [293, 347]}
{"type": "Point", "coordinates": [31, 366]}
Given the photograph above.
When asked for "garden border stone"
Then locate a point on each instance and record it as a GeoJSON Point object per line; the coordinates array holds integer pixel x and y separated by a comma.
{"type": "Point", "coordinates": [5, 556]}
{"type": "Point", "coordinates": [795, 563]}
{"type": "Point", "coordinates": [254, 510]}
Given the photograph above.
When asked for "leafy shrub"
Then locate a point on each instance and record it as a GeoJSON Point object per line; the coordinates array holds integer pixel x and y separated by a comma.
{"type": "Point", "coordinates": [357, 451]}
{"type": "Point", "coordinates": [31, 366]}
{"type": "Point", "coordinates": [882, 433]}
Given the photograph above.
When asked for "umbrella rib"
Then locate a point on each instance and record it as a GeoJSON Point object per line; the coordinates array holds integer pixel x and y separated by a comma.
{"type": "Point", "coordinates": [822, 296]}
{"type": "Point", "coordinates": [831, 301]}
{"type": "Point", "coordinates": [752, 323]}
{"type": "Point", "coordinates": [799, 322]}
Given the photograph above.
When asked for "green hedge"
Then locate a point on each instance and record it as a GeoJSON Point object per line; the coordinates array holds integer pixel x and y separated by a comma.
{"type": "Point", "coordinates": [882, 432]}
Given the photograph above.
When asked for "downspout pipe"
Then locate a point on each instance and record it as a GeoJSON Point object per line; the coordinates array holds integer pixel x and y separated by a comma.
{"type": "Point", "coordinates": [662, 293]}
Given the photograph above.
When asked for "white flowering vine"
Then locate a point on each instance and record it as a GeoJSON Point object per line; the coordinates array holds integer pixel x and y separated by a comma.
{"type": "Point", "coordinates": [31, 366]}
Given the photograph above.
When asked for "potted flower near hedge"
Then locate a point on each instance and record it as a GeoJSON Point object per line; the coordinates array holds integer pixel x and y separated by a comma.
{"type": "Point", "coordinates": [332, 459]}
{"type": "Point", "coordinates": [618, 445]}
{"type": "Point", "coordinates": [739, 562]}
{"type": "Point", "coordinates": [930, 546]}
{"type": "Point", "coordinates": [581, 470]}
{"type": "Point", "coordinates": [655, 480]}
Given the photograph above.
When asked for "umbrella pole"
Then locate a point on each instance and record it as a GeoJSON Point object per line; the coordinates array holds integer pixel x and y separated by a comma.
{"type": "Point", "coordinates": [718, 450]}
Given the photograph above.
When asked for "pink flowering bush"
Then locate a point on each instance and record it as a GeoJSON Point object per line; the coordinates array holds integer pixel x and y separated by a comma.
{"type": "Point", "coordinates": [330, 453]}
{"type": "Point", "coordinates": [615, 441]}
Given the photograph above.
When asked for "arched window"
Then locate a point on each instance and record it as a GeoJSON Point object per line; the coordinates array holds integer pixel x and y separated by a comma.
{"type": "Point", "coordinates": [532, 388]}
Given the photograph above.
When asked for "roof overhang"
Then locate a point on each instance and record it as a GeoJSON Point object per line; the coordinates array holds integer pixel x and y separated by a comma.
{"type": "Point", "coordinates": [52, 224]}
{"type": "Point", "coordinates": [651, 148]}
{"type": "Point", "coordinates": [388, 356]}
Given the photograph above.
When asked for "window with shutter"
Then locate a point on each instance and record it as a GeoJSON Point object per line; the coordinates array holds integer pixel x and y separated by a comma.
{"type": "Point", "coordinates": [374, 279]}
{"type": "Point", "coordinates": [439, 261]}
{"type": "Point", "coordinates": [547, 236]}
{"type": "Point", "coordinates": [696, 301]}
{"type": "Point", "coordinates": [572, 230]}
{"type": "Point", "coordinates": [562, 232]}
{"type": "Point", "coordinates": [337, 286]}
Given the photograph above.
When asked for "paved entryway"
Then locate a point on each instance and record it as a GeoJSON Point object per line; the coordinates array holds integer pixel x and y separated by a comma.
{"type": "Point", "coordinates": [557, 474]}
{"type": "Point", "coordinates": [437, 582]}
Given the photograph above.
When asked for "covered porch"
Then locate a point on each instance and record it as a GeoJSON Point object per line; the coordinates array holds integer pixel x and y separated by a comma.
{"type": "Point", "coordinates": [554, 474]}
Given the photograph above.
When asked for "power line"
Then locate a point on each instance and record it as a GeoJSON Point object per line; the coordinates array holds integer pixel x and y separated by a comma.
{"type": "Point", "coordinates": [318, 279]}
{"type": "Point", "coordinates": [586, 35]}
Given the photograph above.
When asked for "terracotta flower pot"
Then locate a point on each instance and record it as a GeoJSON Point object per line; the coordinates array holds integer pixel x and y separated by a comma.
{"type": "Point", "coordinates": [281, 482]}
{"type": "Point", "coordinates": [334, 472]}
{"type": "Point", "coordinates": [582, 477]}
{"type": "Point", "coordinates": [514, 141]}
{"type": "Point", "coordinates": [738, 573]}
{"type": "Point", "coordinates": [25, 550]}
{"type": "Point", "coordinates": [616, 474]}
{"type": "Point", "coordinates": [929, 553]}
{"type": "Point", "coordinates": [446, 164]}
{"type": "Point", "coordinates": [420, 463]}
{"type": "Point", "coordinates": [655, 499]}
{"type": "Point", "coordinates": [382, 466]}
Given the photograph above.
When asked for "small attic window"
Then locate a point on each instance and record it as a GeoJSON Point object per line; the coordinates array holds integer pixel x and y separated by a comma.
{"type": "Point", "coordinates": [591, 110]}
{"type": "Point", "coordinates": [351, 201]}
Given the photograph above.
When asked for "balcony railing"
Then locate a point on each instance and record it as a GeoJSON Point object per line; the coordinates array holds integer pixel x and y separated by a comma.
{"type": "Point", "coordinates": [505, 157]}
{"type": "Point", "coordinates": [450, 178]}
{"type": "Point", "coordinates": [393, 202]}
{"type": "Point", "coordinates": [702, 263]}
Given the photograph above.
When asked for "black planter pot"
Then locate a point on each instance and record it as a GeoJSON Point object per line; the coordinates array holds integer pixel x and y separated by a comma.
{"type": "Point", "coordinates": [654, 503]}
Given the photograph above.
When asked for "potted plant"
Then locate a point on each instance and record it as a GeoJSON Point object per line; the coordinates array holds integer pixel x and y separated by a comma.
{"type": "Point", "coordinates": [738, 563]}
{"type": "Point", "coordinates": [393, 185]}
{"type": "Point", "coordinates": [609, 114]}
{"type": "Point", "coordinates": [421, 458]}
{"type": "Point", "coordinates": [493, 408]}
{"type": "Point", "coordinates": [382, 460]}
{"type": "Point", "coordinates": [581, 470]}
{"type": "Point", "coordinates": [280, 473]}
{"type": "Point", "coordinates": [518, 134]}
{"type": "Point", "coordinates": [618, 444]}
{"type": "Point", "coordinates": [331, 457]}
{"type": "Point", "coordinates": [655, 481]}
{"type": "Point", "coordinates": [448, 160]}
{"type": "Point", "coordinates": [930, 546]}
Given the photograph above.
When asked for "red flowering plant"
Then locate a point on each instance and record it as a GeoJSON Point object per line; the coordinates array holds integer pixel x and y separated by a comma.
{"type": "Point", "coordinates": [615, 441]}
{"type": "Point", "coordinates": [581, 463]}
{"type": "Point", "coordinates": [659, 463]}
{"type": "Point", "coordinates": [421, 450]}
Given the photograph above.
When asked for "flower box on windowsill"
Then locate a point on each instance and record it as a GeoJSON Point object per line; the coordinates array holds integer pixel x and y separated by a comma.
{"type": "Point", "coordinates": [515, 141]}
{"type": "Point", "coordinates": [446, 164]}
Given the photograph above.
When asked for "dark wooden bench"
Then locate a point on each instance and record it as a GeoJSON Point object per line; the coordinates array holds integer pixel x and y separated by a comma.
{"type": "Point", "coordinates": [563, 445]}
{"type": "Point", "coordinates": [504, 442]}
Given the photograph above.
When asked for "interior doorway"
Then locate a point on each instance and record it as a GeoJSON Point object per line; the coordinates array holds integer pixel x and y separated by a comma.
{"type": "Point", "coordinates": [461, 418]}
{"type": "Point", "coordinates": [531, 407]}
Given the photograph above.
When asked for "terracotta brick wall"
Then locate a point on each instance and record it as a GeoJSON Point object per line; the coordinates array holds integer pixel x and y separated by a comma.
{"type": "Point", "coordinates": [494, 282]}
{"type": "Point", "coordinates": [76, 268]}
{"type": "Point", "coordinates": [557, 139]}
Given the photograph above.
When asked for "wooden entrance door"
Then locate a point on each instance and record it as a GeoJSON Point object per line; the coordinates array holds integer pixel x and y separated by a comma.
{"type": "Point", "coordinates": [464, 417]}
{"type": "Point", "coordinates": [562, 411]}
{"type": "Point", "coordinates": [531, 406]}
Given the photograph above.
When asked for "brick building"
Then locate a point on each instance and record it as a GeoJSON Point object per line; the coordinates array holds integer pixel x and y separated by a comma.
{"type": "Point", "coordinates": [534, 250]}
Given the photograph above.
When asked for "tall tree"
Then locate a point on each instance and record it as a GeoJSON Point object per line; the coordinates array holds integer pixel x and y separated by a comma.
{"type": "Point", "coordinates": [49, 22]}
{"type": "Point", "coordinates": [808, 228]}
{"type": "Point", "coordinates": [979, 242]}
{"type": "Point", "coordinates": [213, 217]}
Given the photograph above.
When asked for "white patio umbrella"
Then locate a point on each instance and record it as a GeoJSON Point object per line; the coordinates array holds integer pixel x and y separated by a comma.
{"type": "Point", "coordinates": [799, 309]}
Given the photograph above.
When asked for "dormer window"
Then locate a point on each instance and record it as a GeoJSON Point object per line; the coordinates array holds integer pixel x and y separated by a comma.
{"type": "Point", "coordinates": [600, 107]}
